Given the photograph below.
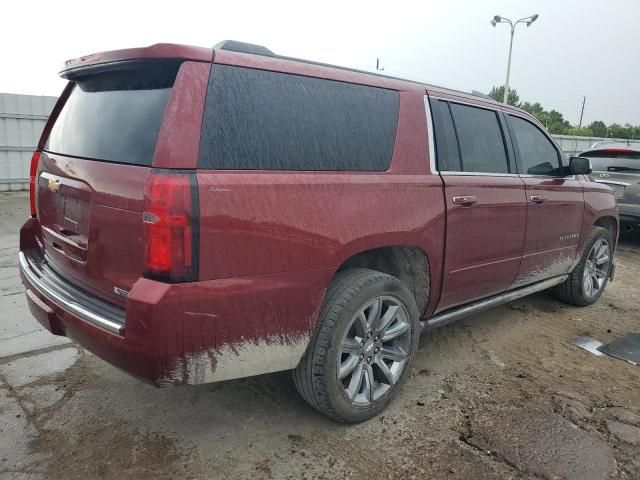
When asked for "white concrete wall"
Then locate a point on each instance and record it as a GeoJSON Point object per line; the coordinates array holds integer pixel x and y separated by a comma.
{"type": "Point", "coordinates": [22, 118]}
{"type": "Point", "coordinates": [574, 145]}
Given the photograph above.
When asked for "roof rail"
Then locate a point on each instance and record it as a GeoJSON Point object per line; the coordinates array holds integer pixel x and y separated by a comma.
{"type": "Point", "coordinates": [243, 47]}
{"type": "Point", "coordinates": [476, 93]}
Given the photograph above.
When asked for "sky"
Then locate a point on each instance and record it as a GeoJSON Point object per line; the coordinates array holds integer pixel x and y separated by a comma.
{"type": "Point", "coordinates": [576, 48]}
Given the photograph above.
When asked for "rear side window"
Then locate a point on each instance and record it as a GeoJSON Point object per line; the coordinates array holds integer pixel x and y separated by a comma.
{"type": "Point", "coordinates": [480, 138]}
{"type": "Point", "coordinates": [538, 156]}
{"type": "Point", "coordinates": [262, 120]}
{"type": "Point", "coordinates": [115, 115]}
{"type": "Point", "coordinates": [447, 151]}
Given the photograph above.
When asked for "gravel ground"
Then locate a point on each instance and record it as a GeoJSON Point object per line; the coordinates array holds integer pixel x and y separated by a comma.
{"type": "Point", "coordinates": [499, 395]}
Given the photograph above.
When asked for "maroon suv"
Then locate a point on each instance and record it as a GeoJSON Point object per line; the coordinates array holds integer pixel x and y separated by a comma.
{"type": "Point", "coordinates": [200, 215]}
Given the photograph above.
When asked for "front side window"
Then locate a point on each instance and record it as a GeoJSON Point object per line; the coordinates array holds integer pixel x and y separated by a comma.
{"type": "Point", "coordinates": [480, 138]}
{"type": "Point", "coordinates": [263, 120]}
{"type": "Point", "coordinates": [538, 156]}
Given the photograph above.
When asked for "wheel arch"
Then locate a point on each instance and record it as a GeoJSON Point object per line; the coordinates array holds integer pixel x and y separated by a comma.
{"type": "Point", "coordinates": [610, 223]}
{"type": "Point", "coordinates": [408, 263]}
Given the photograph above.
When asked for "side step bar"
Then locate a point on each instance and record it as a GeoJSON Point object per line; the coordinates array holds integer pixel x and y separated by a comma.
{"type": "Point", "coordinates": [453, 314]}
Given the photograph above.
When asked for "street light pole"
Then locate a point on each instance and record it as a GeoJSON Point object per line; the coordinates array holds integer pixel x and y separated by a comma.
{"type": "Point", "coordinates": [506, 83]}
{"type": "Point", "coordinates": [498, 19]}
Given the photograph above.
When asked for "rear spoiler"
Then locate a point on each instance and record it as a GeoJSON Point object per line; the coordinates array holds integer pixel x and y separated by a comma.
{"type": "Point", "coordinates": [158, 51]}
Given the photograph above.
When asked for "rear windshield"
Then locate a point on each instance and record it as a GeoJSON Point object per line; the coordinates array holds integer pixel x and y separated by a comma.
{"type": "Point", "coordinates": [115, 116]}
{"type": "Point", "coordinates": [262, 120]}
{"type": "Point", "coordinates": [614, 160]}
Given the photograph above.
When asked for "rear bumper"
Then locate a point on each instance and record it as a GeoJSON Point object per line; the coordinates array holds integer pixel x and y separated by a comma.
{"type": "Point", "coordinates": [188, 333]}
{"type": "Point", "coordinates": [69, 298]}
{"type": "Point", "coordinates": [629, 214]}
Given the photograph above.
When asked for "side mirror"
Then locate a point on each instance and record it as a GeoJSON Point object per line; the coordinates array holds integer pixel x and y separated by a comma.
{"type": "Point", "coordinates": [579, 166]}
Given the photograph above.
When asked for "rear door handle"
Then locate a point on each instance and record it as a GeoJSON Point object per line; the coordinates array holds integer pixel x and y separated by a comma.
{"type": "Point", "coordinates": [465, 200]}
{"type": "Point", "coordinates": [537, 198]}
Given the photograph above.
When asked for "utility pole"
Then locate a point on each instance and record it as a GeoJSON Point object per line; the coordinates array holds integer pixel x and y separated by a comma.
{"type": "Point", "coordinates": [584, 100]}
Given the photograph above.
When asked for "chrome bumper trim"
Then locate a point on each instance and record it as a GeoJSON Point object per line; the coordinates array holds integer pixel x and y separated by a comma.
{"type": "Point", "coordinates": [456, 313]}
{"type": "Point", "coordinates": [112, 320]}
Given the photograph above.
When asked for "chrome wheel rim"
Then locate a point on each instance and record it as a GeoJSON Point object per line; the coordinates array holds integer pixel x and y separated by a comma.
{"type": "Point", "coordinates": [374, 350]}
{"type": "Point", "coordinates": [596, 268]}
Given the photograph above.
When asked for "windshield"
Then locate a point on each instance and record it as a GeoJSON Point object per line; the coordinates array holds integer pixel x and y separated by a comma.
{"type": "Point", "coordinates": [614, 160]}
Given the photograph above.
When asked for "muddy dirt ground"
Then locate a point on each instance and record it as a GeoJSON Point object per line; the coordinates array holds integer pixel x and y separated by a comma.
{"type": "Point", "coordinates": [499, 395]}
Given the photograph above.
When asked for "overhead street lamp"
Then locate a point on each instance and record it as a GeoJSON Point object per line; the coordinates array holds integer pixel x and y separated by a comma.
{"type": "Point", "coordinates": [498, 19]}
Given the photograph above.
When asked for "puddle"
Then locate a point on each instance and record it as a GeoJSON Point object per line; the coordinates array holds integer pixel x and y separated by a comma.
{"type": "Point", "coordinates": [30, 369]}
{"type": "Point", "coordinates": [542, 444]}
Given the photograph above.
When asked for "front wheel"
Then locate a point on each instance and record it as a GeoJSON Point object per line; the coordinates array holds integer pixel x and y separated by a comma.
{"type": "Point", "coordinates": [365, 340]}
{"type": "Point", "coordinates": [588, 280]}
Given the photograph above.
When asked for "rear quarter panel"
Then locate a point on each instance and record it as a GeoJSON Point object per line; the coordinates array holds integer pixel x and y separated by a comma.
{"type": "Point", "coordinates": [272, 241]}
{"type": "Point", "coordinates": [260, 222]}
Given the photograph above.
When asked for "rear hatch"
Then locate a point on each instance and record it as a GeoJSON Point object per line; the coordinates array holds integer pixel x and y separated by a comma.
{"type": "Point", "coordinates": [93, 171]}
{"type": "Point", "coordinates": [619, 168]}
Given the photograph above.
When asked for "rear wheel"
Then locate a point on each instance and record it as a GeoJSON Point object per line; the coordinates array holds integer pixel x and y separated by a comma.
{"type": "Point", "coordinates": [365, 341]}
{"type": "Point", "coordinates": [589, 279]}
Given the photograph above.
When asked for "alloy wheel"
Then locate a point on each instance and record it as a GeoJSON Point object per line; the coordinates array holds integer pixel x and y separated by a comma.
{"type": "Point", "coordinates": [374, 350]}
{"type": "Point", "coordinates": [596, 268]}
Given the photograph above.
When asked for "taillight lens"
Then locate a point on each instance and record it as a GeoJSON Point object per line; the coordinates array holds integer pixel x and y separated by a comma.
{"type": "Point", "coordinates": [171, 226]}
{"type": "Point", "coordinates": [33, 171]}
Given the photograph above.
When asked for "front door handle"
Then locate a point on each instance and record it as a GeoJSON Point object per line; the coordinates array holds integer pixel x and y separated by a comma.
{"type": "Point", "coordinates": [465, 200]}
{"type": "Point", "coordinates": [537, 198]}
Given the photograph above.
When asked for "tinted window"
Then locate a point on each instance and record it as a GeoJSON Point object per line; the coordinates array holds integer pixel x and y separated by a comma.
{"type": "Point", "coordinates": [447, 151]}
{"type": "Point", "coordinates": [116, 115]}
{"type": "Point", "coordinates": [273, 121]}
{"type": "Point", "coordinates": [614, 160]}
{"type": "Point", "coordinates": [538, 156]}
{"type": "Point", "coordinates": [480, 138]}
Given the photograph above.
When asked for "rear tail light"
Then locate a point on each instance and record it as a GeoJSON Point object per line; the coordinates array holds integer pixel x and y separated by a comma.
{"type": "Point", "coordinates": [171, 226]}
{"type": "Point", "coordinates": [32, 181]}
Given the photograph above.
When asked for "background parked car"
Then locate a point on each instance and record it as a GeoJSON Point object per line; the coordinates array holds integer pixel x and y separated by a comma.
{"type": "Point", "coordinates": [618, 165]}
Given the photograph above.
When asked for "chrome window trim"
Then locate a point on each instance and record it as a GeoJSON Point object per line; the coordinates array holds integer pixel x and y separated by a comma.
{"type": "Point", "coordinates": [462, 102]}
{"type": "Point", "coordinates": [489, 174]}
{"type": "Point", "coordinates": [431, 140]}
{"type": "Point", "coordinates": [479, 174]}
{"type": "Point", "coordinates": [568, 177]}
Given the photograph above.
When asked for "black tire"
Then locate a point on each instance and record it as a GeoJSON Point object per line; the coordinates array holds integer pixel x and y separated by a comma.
{"type": "Point", "coordinates": [316, 377]}
{"type": "Point", "coordinates": [572, 290]}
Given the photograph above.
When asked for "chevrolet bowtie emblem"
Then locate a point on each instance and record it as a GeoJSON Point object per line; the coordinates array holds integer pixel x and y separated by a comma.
{"type": "Point", "coordinates": [54, 185]}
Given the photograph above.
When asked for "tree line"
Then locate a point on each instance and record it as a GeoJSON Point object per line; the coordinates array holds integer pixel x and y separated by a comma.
{"type": "Point", "coordinates": [556, 123]}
